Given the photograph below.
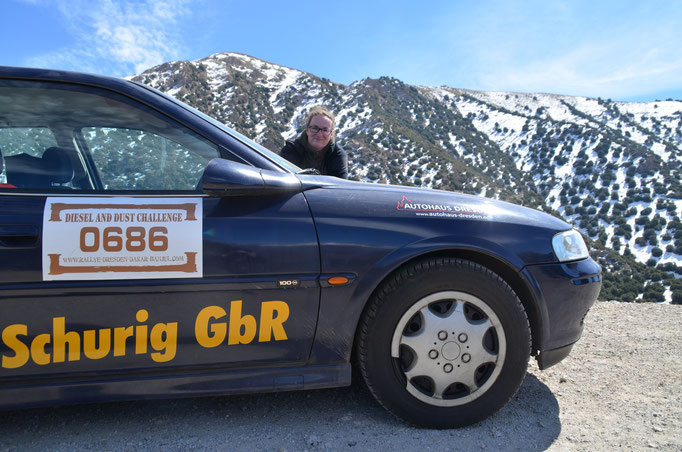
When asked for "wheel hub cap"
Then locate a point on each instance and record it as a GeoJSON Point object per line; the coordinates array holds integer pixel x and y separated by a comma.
{"type": "Point", "coordinates": [450, 355]}
{"type": "Point", "coordinates": [451, 351]}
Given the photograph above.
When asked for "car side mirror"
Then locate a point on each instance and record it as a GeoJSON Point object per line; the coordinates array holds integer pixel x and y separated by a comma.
{"type": "Point", "coordinates": [226, 178]}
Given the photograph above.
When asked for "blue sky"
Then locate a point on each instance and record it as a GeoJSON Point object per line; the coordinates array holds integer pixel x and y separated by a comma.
{"type": "Point", "coordinates": [623, 50]}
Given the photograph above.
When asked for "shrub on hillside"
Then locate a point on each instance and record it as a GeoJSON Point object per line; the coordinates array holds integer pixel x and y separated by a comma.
{"type": "Point", "coordinates": [654, 292]}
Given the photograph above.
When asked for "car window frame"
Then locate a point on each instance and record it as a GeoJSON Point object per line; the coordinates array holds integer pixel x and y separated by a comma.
{"type": "Point", "coordinates": [80, 143]}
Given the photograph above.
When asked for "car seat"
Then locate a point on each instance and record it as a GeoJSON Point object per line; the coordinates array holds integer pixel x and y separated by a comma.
{"type": "Point", "coordinates": [27, 171]}
{"type": "Point", "coordinates": [57, 166]}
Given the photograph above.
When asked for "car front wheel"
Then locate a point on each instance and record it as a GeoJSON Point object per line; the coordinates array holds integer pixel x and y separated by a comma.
{"type": "Point", "coordinates": [444, 343]}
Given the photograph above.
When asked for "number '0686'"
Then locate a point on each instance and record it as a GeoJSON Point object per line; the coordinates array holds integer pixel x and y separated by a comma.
{"type": "Point", "coordinates": [114, 238]}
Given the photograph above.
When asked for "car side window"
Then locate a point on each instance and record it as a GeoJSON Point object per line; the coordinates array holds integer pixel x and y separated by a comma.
{"type": "Point", "coordinates": [133, 159]}
{"type": "Point", "coordinates": [57, 136]}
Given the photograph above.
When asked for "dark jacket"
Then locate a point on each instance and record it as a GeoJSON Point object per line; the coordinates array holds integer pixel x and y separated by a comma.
{"type": "Point", "coordinates": [334, 163]}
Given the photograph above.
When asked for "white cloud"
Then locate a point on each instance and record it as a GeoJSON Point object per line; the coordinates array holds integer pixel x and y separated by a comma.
{"type": "Point", "coordinates": [592, 70]}
{"type": "Point", "coordinates": [587, 48]}
{"type": "Point", "coordinates": [117, 37]}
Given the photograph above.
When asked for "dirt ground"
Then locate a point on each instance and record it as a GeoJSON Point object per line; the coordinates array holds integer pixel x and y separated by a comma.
{"type": "Point", "coordinates": [620, 389]}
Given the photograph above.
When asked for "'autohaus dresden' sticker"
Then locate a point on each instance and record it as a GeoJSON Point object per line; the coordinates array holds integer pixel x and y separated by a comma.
{"type": "Point", "coordinates": [128, 238]}
{"type": "Point", "coordinates": [430, 209]}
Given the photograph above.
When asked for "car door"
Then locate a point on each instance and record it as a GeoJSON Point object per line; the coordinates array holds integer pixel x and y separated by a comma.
{"type": "Point", "coordinates": [113, 260]}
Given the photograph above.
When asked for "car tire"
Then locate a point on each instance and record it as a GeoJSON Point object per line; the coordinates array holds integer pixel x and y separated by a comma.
{"type": "Point", "coordinates": [443, 343]}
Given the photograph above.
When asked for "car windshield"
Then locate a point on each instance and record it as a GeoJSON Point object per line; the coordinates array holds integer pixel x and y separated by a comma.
{"type": "Point", "coordinates": [257, 147]}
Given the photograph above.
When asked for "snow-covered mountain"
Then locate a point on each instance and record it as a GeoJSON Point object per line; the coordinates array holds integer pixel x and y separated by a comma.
{"type": "Point", "coordinates": [610, 168]}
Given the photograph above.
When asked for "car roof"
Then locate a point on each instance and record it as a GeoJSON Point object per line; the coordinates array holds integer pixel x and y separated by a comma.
{"type": "Point", "coordinates": [62, 75]}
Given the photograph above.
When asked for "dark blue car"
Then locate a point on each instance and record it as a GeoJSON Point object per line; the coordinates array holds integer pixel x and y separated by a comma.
{"type": "Point", "coordinates": [148, 251]}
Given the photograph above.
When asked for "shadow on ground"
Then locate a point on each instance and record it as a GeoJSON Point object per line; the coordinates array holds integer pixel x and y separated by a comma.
{"type": "Point", "coordinates": [334, 419]}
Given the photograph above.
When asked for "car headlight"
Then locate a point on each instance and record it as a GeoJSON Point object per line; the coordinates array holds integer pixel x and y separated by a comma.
{"type": "Point", "coordinates": [569, 246]}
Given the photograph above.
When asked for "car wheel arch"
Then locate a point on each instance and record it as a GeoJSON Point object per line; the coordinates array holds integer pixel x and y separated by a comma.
{"type": "Point", "coordinates": [502, 268]}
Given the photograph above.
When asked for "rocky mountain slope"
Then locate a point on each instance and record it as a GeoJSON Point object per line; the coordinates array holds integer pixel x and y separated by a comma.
{"type": "Point", "coordinates": [610, 168]}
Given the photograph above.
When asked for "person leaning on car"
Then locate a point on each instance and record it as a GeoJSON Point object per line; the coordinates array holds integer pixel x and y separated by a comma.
{"type": "Point", "coordinates": [315, 146]}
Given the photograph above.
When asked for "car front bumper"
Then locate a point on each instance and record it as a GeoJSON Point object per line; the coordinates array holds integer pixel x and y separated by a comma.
{"type": "Point", "coordinates": [566, 292]}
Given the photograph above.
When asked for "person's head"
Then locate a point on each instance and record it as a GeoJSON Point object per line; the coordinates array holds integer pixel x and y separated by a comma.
{"type": "Point", "coordinates": [319, 127]}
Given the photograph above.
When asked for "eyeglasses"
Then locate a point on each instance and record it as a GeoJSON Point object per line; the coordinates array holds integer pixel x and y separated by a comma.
{"type": "Point", "coordinates": [315, 129]}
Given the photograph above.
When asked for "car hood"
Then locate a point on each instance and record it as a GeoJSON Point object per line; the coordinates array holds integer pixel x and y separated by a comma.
{"type": "Point", "coordinates": [405, 221]}
{"type": "Point", "coordinates": [433, 203]}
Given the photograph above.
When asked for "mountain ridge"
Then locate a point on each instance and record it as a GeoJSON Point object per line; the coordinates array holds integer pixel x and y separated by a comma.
{"type": "Point", "coordinates": [612, 169]}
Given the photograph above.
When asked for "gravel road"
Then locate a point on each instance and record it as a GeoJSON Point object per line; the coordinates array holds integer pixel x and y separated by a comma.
{"type": "Point", "coordinates": [621, 388]}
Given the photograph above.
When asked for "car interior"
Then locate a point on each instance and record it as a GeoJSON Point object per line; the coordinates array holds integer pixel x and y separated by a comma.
{"type": "Point", "coordinates": [60, 137]}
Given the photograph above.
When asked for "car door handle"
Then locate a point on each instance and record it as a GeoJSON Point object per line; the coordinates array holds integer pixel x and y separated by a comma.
{"type": "Point", "coordinates": [18, 235]}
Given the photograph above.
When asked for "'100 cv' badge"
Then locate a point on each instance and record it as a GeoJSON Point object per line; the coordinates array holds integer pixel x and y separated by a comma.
{"type": "Point", "coordinates": [123, 238]}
